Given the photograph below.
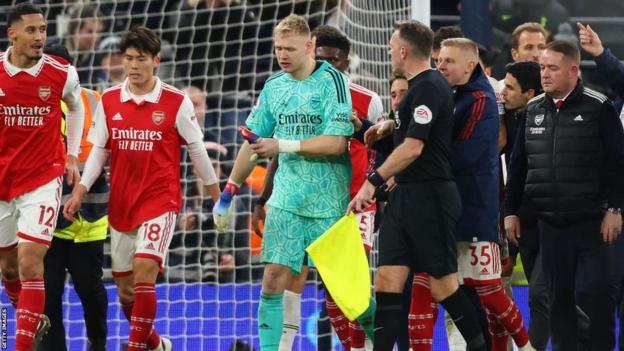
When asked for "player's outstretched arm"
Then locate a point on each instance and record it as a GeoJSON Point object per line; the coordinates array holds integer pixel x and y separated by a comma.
{"type": "Point", "coordinates": [378, 131]}
{"type": "Point", "coordinates": [243, 166]}
{"type": "Point", "coordinates": [72, 174]}
{"type": "Point", "coordinates": [75, 124]}
{"type": "Point", "coordinates": [72, 205]}
{"type": "Point", "coordinates": [93, 168]}
{"type": "Point", "coordinates": [323, 145]}
{"type": "Point", "coordinates": [399, 159]}
{"type": "Point", "coordinates": [205, 171]}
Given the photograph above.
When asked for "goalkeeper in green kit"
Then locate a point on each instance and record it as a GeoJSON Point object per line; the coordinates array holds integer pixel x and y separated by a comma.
{"type": "Point", "coordinates": [302, 115]}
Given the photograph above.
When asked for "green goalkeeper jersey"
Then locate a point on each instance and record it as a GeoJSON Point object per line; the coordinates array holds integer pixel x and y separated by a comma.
{"type": "Point", "coordinates": [292, 109]}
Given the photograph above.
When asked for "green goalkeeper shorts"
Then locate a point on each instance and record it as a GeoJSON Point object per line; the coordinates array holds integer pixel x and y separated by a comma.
{"type": "Point", "coordinates": [286, 235]}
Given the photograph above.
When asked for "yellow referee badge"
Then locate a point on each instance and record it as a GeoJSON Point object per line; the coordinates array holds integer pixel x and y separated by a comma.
{"type": "Point", "coordinates": [341, 261]}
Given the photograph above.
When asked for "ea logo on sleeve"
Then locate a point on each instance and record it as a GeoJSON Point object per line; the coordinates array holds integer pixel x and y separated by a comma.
{"type": "Point", "coordinates": [422, 114]}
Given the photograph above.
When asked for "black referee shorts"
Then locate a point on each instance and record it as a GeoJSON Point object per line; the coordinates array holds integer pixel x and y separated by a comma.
{"type": "Point", "coordinates": [419, 226]}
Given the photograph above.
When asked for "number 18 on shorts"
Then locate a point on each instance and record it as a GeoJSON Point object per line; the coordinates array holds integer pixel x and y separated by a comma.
{"type": "Point", "coordinates": [150, 240]}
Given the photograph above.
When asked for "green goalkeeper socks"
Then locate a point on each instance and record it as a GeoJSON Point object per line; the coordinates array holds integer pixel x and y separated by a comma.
{"type": "Point", "coordinates": [270, 320]}
{"type": "Point", "coordinates": [367, 320]}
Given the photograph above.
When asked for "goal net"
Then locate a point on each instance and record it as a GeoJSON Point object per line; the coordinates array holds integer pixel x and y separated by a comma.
{"type": "Point", "coordinates": [209, 291]}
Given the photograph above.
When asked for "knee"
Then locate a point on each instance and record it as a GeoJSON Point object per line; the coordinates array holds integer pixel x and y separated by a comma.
{"type": "Point", "coordinates": [8, 264]}
{"type": "Point", "coordinates": [443, 287]}
{"type": "Point", "coordinates": [385, 282]}
{"type": "Point", "coordinates": [275, 278]}
{"type": "Point", "coordinates": [145, 270]}
{"type": "Point", "coordinates": [30, 267]}
{"type": "Point", "coordinates": [9, 272]}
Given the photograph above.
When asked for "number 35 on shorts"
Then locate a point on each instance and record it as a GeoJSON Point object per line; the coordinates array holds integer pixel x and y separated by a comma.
{"type": "Point", "coordinates": [478, 263]}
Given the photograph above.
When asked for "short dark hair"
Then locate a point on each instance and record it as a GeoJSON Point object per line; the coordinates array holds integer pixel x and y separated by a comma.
{"type": "Point", "coordinates": [21, 9]}
{"type": "Point", "coordinates": [443, 33]}
{"type": "Point", "coordinates": [567, 48]}
{"type": "Point", "coordinates": [141, 38]}
{"type": "Point", "coordinates": [527, 73]}
{"type": "Point", "coordinates": [417, 35]}
{"type": "Point", "coordinates": [396, 75]}
{"type": "Point", "coordinates": [79, 14]}
{"type": "Point", "coordinates": [332, 37]}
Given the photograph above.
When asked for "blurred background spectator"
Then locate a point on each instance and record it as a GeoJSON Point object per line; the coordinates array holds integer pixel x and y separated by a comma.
{"type": "Point", "coordinates": [84, 31]}
{"type": "Point", "coordinates": [110, 70]}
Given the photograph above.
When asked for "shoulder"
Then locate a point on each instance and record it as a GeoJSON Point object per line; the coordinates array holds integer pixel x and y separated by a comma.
{"type": "Point", "coordinates": [433, 87]}
{"type": "Point", "coordinates": [537, 100]}
{"type": "Point", "coordinates": [56, 62]}
{"type": "Point", "coordinates": [113, 91]}
{"type": "Point", "coordinates": [357, 89]}
{"type": "Point", "coordinates": [328, 74]}
{"type": "Point", "coordinates": [433, 80]}
{"type": "Point", "coordinates": [275, 78]}
{"type": "Point", "coordinates": [594, 96]}
{"type": "Point", "coordinates": [334, 80]}
{"type": "Point", "coordinates": [170, 89]}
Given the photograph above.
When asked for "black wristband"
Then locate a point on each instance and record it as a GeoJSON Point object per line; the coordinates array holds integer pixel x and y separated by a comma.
{"type": "Point", "coordinates": [261, 201]}
{"type": "Point", "coordinates": [375, 179]}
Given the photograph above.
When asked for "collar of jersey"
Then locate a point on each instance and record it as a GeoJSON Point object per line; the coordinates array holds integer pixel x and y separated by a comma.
{"type": "Point", "coordinates": [153, 96]}
{"type": "Point", "coordinates": [320, 68]}
{"type": "Point", "coordinates": [13, 70]}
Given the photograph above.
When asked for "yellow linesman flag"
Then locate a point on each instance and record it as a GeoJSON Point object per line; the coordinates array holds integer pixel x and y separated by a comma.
{"type": "Point", "coordinates": [341, 261]}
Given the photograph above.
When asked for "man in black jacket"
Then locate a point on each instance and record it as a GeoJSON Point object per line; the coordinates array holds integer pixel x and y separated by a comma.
{"type": "Point", "coordinates": [568, 161]}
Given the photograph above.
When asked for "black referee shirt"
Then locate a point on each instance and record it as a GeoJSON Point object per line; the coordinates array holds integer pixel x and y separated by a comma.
{"type": "Point", "coordinates": [426, 113]}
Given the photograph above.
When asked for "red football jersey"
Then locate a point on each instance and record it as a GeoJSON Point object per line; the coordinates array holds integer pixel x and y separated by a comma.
{"type": "Point", "coordinates": [367, 105]}
{"type": "Point", "coordinates": [144, 138]}
{"type": "Point", "coordinates": [32, 151]}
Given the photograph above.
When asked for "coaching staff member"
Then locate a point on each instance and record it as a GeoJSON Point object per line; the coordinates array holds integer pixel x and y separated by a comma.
{"type": "Point", "coordinates": [419, 225]}
{"type": "Point", "coordinates": [568, 162]}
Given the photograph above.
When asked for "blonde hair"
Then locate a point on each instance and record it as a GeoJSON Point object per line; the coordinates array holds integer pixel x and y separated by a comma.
{"type": "Point", "coordinates": [464, 44]}
{"type": "Point", "coordinates": [294, 24]}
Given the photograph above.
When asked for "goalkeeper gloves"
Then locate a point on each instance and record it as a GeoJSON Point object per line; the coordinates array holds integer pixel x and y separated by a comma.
{"type": "Point", "coordinates": [222, 210]}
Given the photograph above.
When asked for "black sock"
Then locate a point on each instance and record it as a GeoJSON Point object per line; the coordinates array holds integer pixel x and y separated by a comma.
{"type": "Point", "coordinates": [463, 314]}
{"type": "Point", "coordinates": [471, 294]}
{"type": "Point", "coordinates": [387, 319]}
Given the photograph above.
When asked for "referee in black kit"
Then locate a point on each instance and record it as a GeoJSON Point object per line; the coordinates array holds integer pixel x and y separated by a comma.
{"type": "Point", "coordinates": [418, 232]}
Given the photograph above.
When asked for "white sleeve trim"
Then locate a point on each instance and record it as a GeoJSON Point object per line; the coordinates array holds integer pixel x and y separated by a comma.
{"type": "Point", "coordinates": [186, 123]}
{"type": "Point", "coordinates": [94, 166]}
{"type": "Point", "coordinates": [75, 113]}
{"type": "Point", "coordinates": [98, 131]}
{"type": "Point", "coordinates": [201, 163]}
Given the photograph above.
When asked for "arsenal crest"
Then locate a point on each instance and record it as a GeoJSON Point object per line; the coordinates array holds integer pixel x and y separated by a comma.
{"type": "Point", "coordinates": [539, 119]}
{"type": "Point", "coordinates": [45, 92]}
{"type": "Point", "coordinates": [158, 117]}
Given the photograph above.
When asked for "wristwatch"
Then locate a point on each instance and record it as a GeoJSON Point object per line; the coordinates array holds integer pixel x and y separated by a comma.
{"type": "Point", "coordinates": [376, 179]}
{"type": "Point", "coordinates": [614, 210]}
